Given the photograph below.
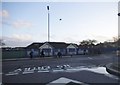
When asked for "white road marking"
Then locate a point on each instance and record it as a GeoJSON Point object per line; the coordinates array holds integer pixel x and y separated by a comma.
{"type": "Point", "coordinates": [64, 81]}
{"type": "Point", "coordinates": [44, 71]}
{"type": "Point", "coordinates": [67, 68]}
{"type": "Point", "coordinates": [90, 58]}
{"type": "Point", "coordinates": [112, 76]}
{"type": "Point", "coordinates": [9, 74]}
{"type": "Point", "coordinates": [27, 72]}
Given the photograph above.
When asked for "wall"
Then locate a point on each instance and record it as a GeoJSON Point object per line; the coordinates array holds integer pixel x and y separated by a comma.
{"type": "Point", "coordinates": [36, 52]}
{"type": "Point", "coordinates": [63, 51]}
{"type": "Point", "coordinates": [10, 54]}
{"type": "Point", "coordinates": [46, 47]}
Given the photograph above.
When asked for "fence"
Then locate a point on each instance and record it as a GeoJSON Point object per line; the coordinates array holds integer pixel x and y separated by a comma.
{"type": "Point", "coordinates": [11, 54]}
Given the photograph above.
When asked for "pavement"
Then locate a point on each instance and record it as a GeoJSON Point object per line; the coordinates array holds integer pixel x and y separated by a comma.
{"type": "Point", "coordinates": [110, 69]}
{"type": "Point", "coordinates": [18, 59]}
{"type": "Point", "coordinates": [35, 58]}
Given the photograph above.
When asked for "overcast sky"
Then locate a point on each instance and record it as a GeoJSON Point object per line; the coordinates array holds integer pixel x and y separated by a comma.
{"type": "Point", "coordinates": [26, 22]}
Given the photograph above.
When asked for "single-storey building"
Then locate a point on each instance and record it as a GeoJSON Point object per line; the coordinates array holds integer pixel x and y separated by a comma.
{"type": "Point", "coordinates": [52, 48]}
{"type": "Point", "coordinates": [35, 48]}
{"type": "Point", "coordinates": [72, 49]}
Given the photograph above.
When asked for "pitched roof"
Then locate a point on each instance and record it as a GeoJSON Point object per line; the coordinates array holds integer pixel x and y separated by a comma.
{"type": "Point", "coordinates": [58, 44]}
{"type": "Point", "coordinates": [35, 45]}
{"type": "Point", "coordinates": [75, 45]}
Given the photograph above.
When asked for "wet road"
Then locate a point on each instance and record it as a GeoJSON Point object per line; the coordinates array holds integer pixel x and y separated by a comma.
{"type": "Point", "coordinates": [86, 76]}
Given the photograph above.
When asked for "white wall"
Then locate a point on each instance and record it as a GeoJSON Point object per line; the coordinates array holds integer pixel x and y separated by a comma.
{"type": "Point", "coordinates": [80, 51]}
{"type": "Point", "coordinates": [73, 47]}
{"type": "Point", "coordinates": [46, 46]}
{"type": "Point", "coordinates": [35, 53]}
{"type": "Point", "coordinates": [70, 46]}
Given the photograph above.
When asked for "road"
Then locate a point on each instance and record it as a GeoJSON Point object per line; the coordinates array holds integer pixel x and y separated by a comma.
{"type": "Point", "coordinates": [37, 76]}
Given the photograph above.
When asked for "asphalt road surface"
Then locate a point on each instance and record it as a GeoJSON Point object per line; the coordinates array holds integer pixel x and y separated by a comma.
{"type": "Point", "coordinates": [29, 70]}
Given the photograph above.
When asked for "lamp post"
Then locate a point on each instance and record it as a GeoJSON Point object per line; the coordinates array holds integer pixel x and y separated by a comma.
{"type": "Point", "coordinates": [48, 24]}
{"type": "Point", "coordinates": [118, 14]}
{"type": "Point", "coordinates": [48, 28]}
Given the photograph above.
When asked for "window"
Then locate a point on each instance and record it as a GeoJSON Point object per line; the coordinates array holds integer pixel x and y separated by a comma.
{"type": "Point", "coordinates": [47, 50]}
{"type": "Point", "coordinates": [71, 50]}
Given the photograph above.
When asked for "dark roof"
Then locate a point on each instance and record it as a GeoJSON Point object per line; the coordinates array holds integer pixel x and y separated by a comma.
{"type": "Point", "coordinates": [35, 45]}
{"type": "Point", "coordinates": [58, 44]}
{"type": "Point", "coordinates": [19, 47]}
{"type": "Point", "coordinates": [75, 45]}
{"type": "Point", "coordinates": [83, 46]}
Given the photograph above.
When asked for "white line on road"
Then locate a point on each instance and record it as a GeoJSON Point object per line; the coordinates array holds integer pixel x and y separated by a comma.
{"type": "Point", "coordinates": [90, 58]}
{"type": "Point", "coordinates": [112, 76]}
{"type": "Point", "coordinates": [9, 74]}
{"type": "Point", "coordinates": [28, 72]}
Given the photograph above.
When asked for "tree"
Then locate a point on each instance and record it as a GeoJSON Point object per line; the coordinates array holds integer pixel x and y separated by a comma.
{"type": "Point", "coordinates": [118, 41]}
{"type": "Point", "coordinates": [88, 42]}
{"type": "Point", "coordinates": [115, 39]}
{"type": "Point", "coordinates": [92, 42]}
{"type": "Point", "coordinates": [84, 42]}
{"type": "Point", "coordinates": [1, 42]}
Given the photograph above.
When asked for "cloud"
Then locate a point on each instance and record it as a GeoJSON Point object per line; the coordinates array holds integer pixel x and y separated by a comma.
{"type": "Point", "coordinates": [16, 23]}
{"type": "Point", "coordinates": [4, 14]}
{"type": "Point", "coordinates": [22, 37]}
{"type": "Point", "coordinates": [5, 22]}
{"type": "Point", "coordinates": [14, 41]}
{"type": "Point", "coordinates": [22, 24]}
{"type": "Point", "coordinates": [71, 40]}
{"type": "Point", "coordinates": [102, 38]}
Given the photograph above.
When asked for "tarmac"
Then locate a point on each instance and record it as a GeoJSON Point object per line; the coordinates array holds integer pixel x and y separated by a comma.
{"type": "Point", "coordinates": [36, 58]}
{"type": "Point", "coordinates": [108, 66]}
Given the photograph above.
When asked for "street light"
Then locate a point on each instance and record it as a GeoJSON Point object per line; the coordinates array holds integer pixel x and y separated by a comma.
{"type": "Point", "coordinates": [48, 28]}
{"type": "Point", "coordinates": [118, 14]}
{"type": "Point", "coordinates": [48, 24]}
